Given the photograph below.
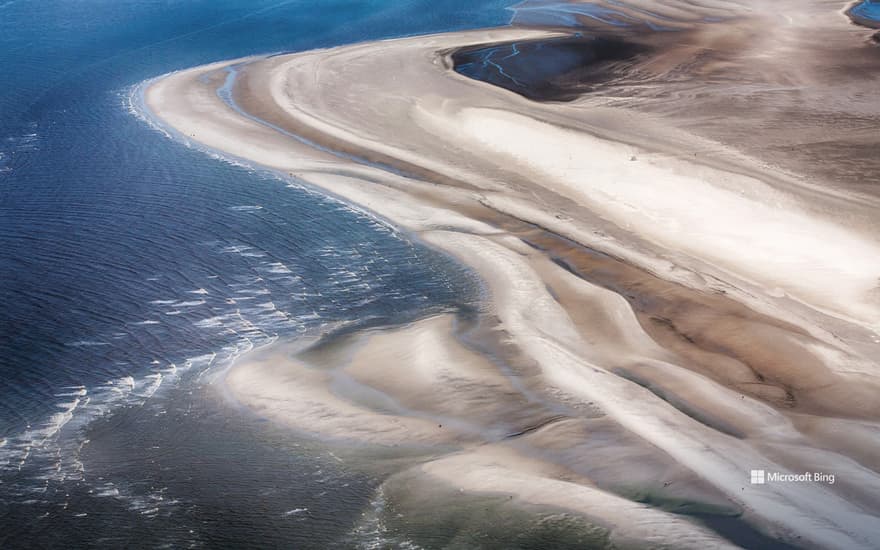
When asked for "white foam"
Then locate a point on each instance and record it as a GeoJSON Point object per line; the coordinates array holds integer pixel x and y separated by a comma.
{"type": "Point", "coordinates": [255, 292]}
{"type": "Point", "coordinates": [211, 322]}
{"type": "Point", "coordinates": [190, 303]}
{"type": "Point", "coordinates": [133, 102]}
{"type": "Point", "coordinates": [236, 249]}
{"type": "Point", "coordinates": [76, 391]}
{"type": "Point", "coordinates": [207, 359]}
{"type": "Point", "coordinates": [277, 267]}
{"type": "Point", "coordinates": [58, 420]}
{"type": "Point", "coordinates": [86, 343]}
{"type": "Point", "coordinates": [153, 381]}
{"type": "Point", "coordinates": [52, 447]}
{"type": "Point", "coordinates": [112, 492]}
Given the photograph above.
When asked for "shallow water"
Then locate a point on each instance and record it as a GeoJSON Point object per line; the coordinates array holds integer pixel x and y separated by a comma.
{"type": "Point", "coordinates": [866, 13]}
{"type": "Point", "coordinates": [133, 270]}
{"type": "Point", "coordinates": [548, 70]}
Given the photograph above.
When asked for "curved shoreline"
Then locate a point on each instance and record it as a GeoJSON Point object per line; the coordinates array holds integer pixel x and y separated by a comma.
{"type": "Point", "coordinates": [482, 217]}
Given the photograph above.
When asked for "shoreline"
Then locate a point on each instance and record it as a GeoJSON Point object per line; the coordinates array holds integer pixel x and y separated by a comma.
{"type": "Point", "coordinates": [481, 218]}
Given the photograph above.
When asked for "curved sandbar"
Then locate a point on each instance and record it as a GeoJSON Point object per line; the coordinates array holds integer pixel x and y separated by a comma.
{"type": "Point", "coordinates": [707, 318]}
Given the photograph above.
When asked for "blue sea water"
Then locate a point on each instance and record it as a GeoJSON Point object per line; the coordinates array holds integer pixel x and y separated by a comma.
{"type": "Point", "coordinates": [132, 269]}
{"type": "Point", "coordinates": [868, 10]}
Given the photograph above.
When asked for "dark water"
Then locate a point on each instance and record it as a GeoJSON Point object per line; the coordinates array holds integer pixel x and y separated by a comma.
{"type": "Point", "coordinates": [133, 270]}
{"type": "Point", "coordinates": [548, 70]}
{"type": "Point", "coordinates": [866, 13]}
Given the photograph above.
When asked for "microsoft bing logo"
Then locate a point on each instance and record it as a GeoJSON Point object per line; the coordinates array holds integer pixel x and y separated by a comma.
{"type": "Point", "coordinates": [758, 478]}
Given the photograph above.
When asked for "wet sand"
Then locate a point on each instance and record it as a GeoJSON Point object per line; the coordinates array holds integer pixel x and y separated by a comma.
{"type": "Point", "coordinates": [670, 301]}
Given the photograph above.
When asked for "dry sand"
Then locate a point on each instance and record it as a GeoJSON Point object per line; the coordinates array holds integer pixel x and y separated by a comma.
{"type": "Point", "coordinates": [655, 319]}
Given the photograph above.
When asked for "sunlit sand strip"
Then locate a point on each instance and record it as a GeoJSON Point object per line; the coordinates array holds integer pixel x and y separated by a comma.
{"type": "Point", "coordinates": [291, 392]}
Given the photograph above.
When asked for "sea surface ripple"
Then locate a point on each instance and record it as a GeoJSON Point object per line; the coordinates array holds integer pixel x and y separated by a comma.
{"type": "Point", "coordinates": [134, 270]}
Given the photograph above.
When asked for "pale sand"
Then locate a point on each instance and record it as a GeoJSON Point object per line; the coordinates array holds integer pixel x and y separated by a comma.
{"type": "Point", "coordinates": [749, 310]}
{"type": "Point", "coordinates": [313, 401]}
{"type": "Point", "coordinates": [498, 470]}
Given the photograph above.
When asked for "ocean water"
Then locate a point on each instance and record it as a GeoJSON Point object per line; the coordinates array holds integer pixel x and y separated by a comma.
{"type": "Point", "coordinates": [867, 12]}
{"type": "Point", "coordinates": [134, 270]}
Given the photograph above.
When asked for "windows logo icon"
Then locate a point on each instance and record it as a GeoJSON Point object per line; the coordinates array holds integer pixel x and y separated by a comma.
{"type": "Point", "coordinates": [758, 477]}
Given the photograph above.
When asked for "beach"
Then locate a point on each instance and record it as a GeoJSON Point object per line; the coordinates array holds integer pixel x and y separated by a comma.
{"type": "Point", "coordinates": [663, 309]}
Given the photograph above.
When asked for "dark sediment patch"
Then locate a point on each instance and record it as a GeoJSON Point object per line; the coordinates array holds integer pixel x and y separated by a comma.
{"type": "Point", "coordinates": [559, 69]}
